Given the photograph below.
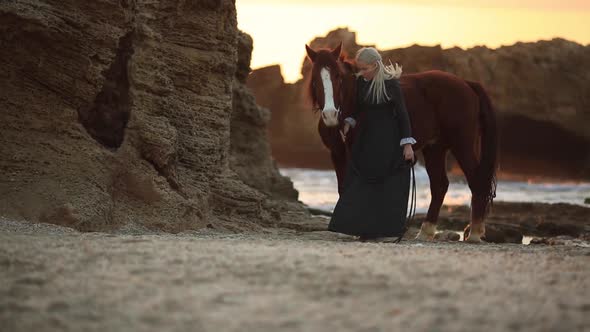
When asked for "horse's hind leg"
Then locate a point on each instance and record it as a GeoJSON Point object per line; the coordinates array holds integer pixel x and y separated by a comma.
{"type": "Point", "coordinates": [466, 156]}
{"type": "Point", "coordinates": [435, 160]}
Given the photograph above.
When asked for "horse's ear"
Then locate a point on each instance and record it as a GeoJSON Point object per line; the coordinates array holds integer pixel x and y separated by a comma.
{"type": "Point", "coordinates": [310, 53]}
{"type": "Point", "coordinates": [348, 65]}
{"type": "Point", "coordinates": [337, 50]}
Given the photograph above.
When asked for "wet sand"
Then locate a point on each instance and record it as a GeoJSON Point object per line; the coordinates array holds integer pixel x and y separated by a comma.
{"type": "Point", "coordinates": [57, 279]}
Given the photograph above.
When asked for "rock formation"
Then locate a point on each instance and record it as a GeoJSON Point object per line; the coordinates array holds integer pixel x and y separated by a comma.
{"type": "Point", "coordinates": [540, 91]}
{"type": "Point", "coordinates": [133, 113]}
{"type": "Point", "coordinates": [250, 154]}
{"type": "Point", "coordinates": [511, 220]}
{"type": "Point", "coordinates": [293, 126]}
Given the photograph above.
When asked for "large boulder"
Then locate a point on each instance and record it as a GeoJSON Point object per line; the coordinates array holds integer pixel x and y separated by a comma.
{"type": "Point", "coordinates": [509, 221]}
{"type": "Point", "coordinates": [121, 112]}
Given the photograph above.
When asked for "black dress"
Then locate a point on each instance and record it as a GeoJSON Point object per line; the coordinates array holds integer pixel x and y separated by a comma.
{"type": "Point", "coordinates": [374, 199]}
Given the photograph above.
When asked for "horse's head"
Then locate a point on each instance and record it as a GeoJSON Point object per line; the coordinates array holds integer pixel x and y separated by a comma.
{"type": "Point", "coordinates": [326, 85]}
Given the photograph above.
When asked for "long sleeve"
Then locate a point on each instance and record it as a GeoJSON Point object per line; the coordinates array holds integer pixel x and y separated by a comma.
{"type": "Point", "coordinates": [402, 114]}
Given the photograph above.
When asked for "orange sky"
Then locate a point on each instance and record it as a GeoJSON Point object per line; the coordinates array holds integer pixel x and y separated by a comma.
{"type": "Point", "coordinates": [530, 4]}
{"type": "Point", "coordinates": [280, 29]}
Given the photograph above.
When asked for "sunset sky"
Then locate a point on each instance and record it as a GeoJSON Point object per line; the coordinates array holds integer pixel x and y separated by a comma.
{"type": "Point", "coordinates": [281, 29]}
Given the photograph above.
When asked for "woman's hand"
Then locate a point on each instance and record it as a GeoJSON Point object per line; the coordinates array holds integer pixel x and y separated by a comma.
{"type": "Point", "coordinates": [408, 152]}
{"type": "Point", "coordinates": [344, 131]}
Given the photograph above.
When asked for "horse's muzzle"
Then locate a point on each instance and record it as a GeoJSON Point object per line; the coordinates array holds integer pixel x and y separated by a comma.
{"type": "Point", "coordinates": [330, 117]}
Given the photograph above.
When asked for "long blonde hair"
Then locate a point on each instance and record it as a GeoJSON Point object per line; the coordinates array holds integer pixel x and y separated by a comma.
{"type": "Point", "coordinates": [377, 92]}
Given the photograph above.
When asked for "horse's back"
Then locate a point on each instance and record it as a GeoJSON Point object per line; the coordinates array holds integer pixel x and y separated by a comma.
{"type": "Point", "coordinates": [442, 102]}
{"type": "Point", "coordinates": [437, 78]}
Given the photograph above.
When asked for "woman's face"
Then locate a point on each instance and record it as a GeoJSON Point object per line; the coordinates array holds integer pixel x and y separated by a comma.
{"type": "Point", "coordinates": [367, 71]}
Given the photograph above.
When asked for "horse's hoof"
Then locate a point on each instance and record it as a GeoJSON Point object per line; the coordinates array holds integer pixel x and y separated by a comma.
{"type": "Point", "coordinates": [474, 239]}
{"type": "Point", "coordinates": [424, 237]}
{"type": "Point", "coordinates": [474, 233]}
{"type": "Point", "coordinates": [427, 231]}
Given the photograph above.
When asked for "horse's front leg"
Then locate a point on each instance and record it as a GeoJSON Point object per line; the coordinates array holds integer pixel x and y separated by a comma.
{"type": "Point", "coordinates": [339, 162]}
{"type": "Point", "coordinates": [332, 139]}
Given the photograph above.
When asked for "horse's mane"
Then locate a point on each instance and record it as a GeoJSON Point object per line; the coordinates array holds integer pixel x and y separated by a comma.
{"type": "Point", "coordinates": [349, 63]}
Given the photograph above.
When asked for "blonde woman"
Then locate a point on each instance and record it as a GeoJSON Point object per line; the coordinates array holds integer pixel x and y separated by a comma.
{"type": "Point", "coordinates": [373, 204]}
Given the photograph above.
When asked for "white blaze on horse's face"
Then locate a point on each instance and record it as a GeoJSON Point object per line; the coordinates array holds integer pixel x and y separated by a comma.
{"type": "Point", "coordinates": [329, 113]}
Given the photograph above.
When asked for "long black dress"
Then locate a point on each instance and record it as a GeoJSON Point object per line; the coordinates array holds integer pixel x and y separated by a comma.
{"type": "Point", "coordinates": [374, 200]}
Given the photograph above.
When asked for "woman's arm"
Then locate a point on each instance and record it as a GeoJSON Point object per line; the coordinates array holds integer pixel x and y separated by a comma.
{"type": "Point", "coordinates": [403, 118]}
{"type": "Point", "coordinates": [351, 120]}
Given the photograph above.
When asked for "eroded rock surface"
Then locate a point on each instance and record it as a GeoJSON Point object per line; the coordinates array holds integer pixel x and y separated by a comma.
{"type": "Point", "coordinates": [122, 112]}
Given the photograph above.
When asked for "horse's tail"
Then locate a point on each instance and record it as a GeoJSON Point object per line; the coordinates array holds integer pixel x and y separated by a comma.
{"type": "Point", "coordinates": [486, 171]}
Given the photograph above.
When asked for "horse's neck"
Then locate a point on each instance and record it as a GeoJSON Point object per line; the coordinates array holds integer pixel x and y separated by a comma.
{"type": "Point", "coordinates": [348, 89]}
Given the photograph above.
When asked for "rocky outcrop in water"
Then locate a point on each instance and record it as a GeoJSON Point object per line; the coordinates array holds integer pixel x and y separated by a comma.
{"type": "Point", "coordinates": [133, 113]}
{"type": "Point", "coordinates": [509, 221]}
{"type": "Point", "coordinates": [540, 91]}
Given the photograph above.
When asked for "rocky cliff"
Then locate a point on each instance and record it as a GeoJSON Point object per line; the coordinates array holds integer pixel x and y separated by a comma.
{"type": "Point", "coordinates": [540, 90]}
{"type": "Point", "coordinates": [293, 127]}
{"type": "Point", "coordinates": [123, 113]}
{"type": "Point", "coordinates": [250, 154]}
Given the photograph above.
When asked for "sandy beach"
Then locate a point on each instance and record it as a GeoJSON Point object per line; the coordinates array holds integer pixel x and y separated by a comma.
{"type": "Point", "coordinates": [140, 188]}
{"type": "Point", "coordinates": [57, 279]}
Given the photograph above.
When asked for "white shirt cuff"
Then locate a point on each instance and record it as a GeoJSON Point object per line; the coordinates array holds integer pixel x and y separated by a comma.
{"type": "Point", "coordinates": [407, 140]}
{"type": "Point", "coordinates": [351, 121]}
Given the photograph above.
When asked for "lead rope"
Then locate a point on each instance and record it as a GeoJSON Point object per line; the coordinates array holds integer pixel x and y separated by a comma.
{"type": "Point", "coordinates": [410, 217]}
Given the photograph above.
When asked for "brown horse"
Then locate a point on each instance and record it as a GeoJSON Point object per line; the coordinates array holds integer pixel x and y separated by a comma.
{"type": "Point", "coordinates": [447, 113]}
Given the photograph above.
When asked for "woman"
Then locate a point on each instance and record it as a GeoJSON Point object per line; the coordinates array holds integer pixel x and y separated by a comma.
{"type": "Point", "coordinates": [373, 204]}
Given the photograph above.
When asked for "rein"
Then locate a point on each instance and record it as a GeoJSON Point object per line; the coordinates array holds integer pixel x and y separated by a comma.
{"type": "Point", "coordinates": [412, 214]}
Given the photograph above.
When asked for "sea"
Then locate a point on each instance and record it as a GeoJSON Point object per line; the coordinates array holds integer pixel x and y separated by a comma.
{"type": "Point", "coordinates": [318, 189]}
